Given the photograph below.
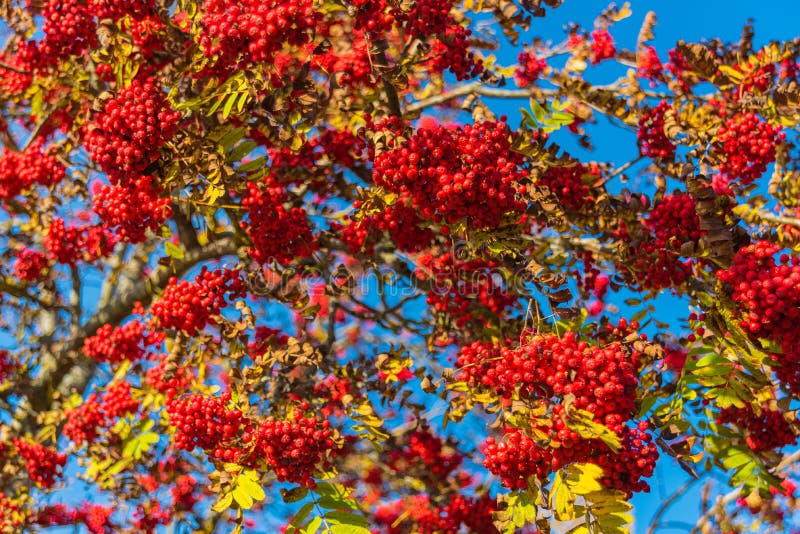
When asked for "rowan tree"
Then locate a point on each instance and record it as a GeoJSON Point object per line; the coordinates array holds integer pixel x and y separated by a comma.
{"type": "Point", "coordinates": [285, 263]}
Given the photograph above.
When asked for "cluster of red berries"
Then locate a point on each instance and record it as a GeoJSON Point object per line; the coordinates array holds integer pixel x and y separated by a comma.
{"type": "Point", "coordinates": [70, 244]}
{"type": "Point", "coordinates": [333, 390]}
{"type": "Point", "coordinates": [401, 223]}
{"type": "Point", "coordinates": [372, 16]}
{"type": "Point", "coordinates": [602, 45]}
{"type": "Point", "coordinates": [7, 367]}
{"type": "Point", "coordinates": [109, 9]}
{"type": "Point", "coordinates": [681, 69]}
{"type": "Point", "coordinates": [95, 517]}
{"type": "Point", "coordinates": [118, 343]}
{"type": "Point", "coordinates": [316, 161]}
{"type": "Point", "coordinates": [43, 464]}
{"type": "Point", "coordinates": [190, 306]}
{"type": "Point", "coordinates": [530, 68]}
{"type": "Point", "coordinates": [278, 233]}
{"type": "Point", "coordinates": [602, 379]}
{"type": "Point", "coordinates": [766, 431]}
{"type": "Point", "coordinates": [451, 52]}
{"type": "Point", "coordinates": [295, 449]}
{"type": "Point", "coordinates": [30, 264]}
{"type": "Point", "coordinates": [545, 370]}
{"type": "Point", "coordinates": [26, 58]}
{"type": "Point", "coordinates": [352, 66]}
{"type": "Point", "coordinates": [747, 145]}
{"type": "Point", "coordinates": [85, 421]}
{"type": "Point", "coordinates": [149, 515]}
{"type": "Point", "coordinates": [118, 400]}
{"type": "Point", "coordinates": [672, 222]}
{"type": "Point", "coordinates": [126, 136]}
{"type": "Point", "coordinates": [516, 458]}
{"type": "Point", "coordinates": [133, 209]}
{"type": "Point", "coordinates": [427, 452]}
{"type": "Point", "coordinates": [68, 28]}
{"type": "Point", "coordinates": [465, 173]}
{"type": "Point", "coordinates": [168, 379]}
{"type": "Point", "coordinates": [653, 140]}
{"type": "Point", "coordinates": [183, 493]}
{"type": "Point", "coordinates": [569, 184]}
{"type": "Point", "coordinates": [450, 48]}
{"type": "Point", "coordinates": [767, 291]}
{"type": "Point", "coordinates": [205, 422]}
{"type": "Point", "coordinates": [22, 170]}
{"type": "Point", "coordinates": [253, 31]}
{"type": "Point", "coordinates": [466, 290]}
{"type": "Point", "coordinates": [648, 66]}
{"type": "Point", "coordinates": [460, 514]}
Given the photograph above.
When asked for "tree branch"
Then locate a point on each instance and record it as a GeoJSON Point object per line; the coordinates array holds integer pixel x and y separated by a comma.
{"type": "Point", "coordinates": [73, 371]}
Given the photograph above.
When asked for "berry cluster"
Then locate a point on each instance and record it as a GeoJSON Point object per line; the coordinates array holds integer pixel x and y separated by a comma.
{"type": "Point", "coordinates": [372, 16]}
{"type": "Point", "coordinates": [530, 68]}
{"type": "Point", "coordinates": [418, 514]}
{"type": "Point", "coordinates": [169, 379]}
{"type": "Point", "coordinates": [30, 265]}
{"type": "Point", "coordinates": [459, 173]}
{"type": "Point", "coordinates": [207, 423]}
{"type": "Point", "coordinates": [334, 391]}
{"type": "Point", "coordinates": [402, 223]}
{"type": "Point", "coordinates": [26, 58]}
{"type": "Point", "coordinates": [68, 28]}
{"type": "Point", "coordinates": [43, 464]}
{"type": "Point", "coordinates": [109, 9]}
{"type": "Point", "coordinates": [653, 140]}
{"type": "Point", "coordinates": [353, 65]}
{"type": "Point", "coordinates": [317, 161]}
{"type": "Point", "coordinates": [7, 367]}
{"type": "Point", "coordinates": [295, 449]}
{"type": "Point", "coordinates": [85, 421]}
{"type": "Point", "coordinates": [766, 431]}
{"type": "Point", "coordinates": [466, 290]}
{"type": "Point", "coordinates": [96, 517]}
{"type": "Point", "coordinates": [426, 451]}
{"type": "Point", "coordinates": [602, 379]}
{"type": "Point", "coordinates": [450, 46]}
{"type": "Point", "coordinates": [118, 343]}
{"type": "Point", "coordinates": [22, 170]}
{"type": "Point", "coordinates": [546, 370]}
{"type": "Point", "coordinates": [516, 458]}
{"type": "Point", "coordinates": [236, 32]}
{"type": "Point", "coordinates": [648, 66]}
{"type": "Point", "coordinates": [278, 233]}
{"type": "Point", "coordinates": [602, 45]}
{"type": "Point", "coordinates": [672, 222]}
{"type": "Point", "coordinates": [118, 401]}
{"type": "Point", "coordinates": [767, 292]}
{"type": "Point", "coordinates": [570, 186]}
{"type": "Point", "coordinates": [133, 209]}
{"type": "Point", "coordinates": [70, 244]}
{"type": "Point", "coordinates": [126, 136]}
{"type": "Point", "coordinates": [746, 145]}
{"type": "Point", "coordinates": [183, 493]}
{"type": "Point", "coordinates": [190, 306]}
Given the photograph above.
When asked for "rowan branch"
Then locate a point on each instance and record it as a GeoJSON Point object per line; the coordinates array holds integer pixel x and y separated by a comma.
{"type": "Point", "coordinates": [73, 371]}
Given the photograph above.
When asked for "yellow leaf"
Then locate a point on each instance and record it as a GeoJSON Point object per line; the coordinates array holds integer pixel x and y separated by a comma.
{"type": "Point", "coordinates": [224, 503]}
{"type": "Point", "coordinates": [583, 479]}
{"type": "Point", "coordinates": [624, 12]}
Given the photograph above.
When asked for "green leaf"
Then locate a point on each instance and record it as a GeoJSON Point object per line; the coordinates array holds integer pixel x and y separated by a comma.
{"type": "Point", "coordinates": [347, 518]}
{"type": "Point", "coordinates": [294, 495]}
{"type": "Point", "coordinates": [299, 518]}
{"type": "Point", "coordinates": [173, 250]}
{"type": "Point", "coordinates": [139, 445]}
{"type": "Point", "coordinates": [241, 150]}
{"type": "Point", "coordinates": [312, 526]}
